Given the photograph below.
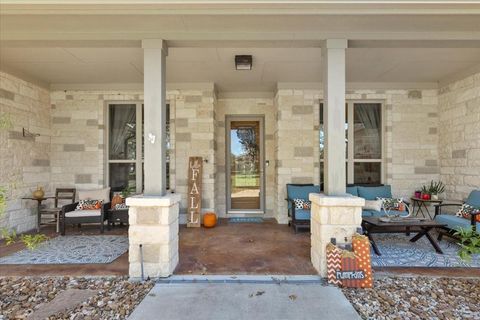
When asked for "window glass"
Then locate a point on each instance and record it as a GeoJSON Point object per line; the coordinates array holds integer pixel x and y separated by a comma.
{"type": "Point", "coordinates": [122, 175]}
{"type": "Point", "coordinates": [367, 172]}
{"type": "Point", "coordinates": [367, 131]}
{"type": "Point", "coordinates": [122, 130]}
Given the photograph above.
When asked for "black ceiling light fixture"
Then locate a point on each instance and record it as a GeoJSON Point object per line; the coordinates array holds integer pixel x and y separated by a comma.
{"type": "Point", "coordinates": [243, 62]}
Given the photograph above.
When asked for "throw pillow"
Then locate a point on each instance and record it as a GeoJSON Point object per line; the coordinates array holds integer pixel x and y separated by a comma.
{"type": "Point", "coordinates": [89, 205]}
{"type": "Point", "coordinates": [302, 204]}
{"type": "Point", "coordinates": [120, 206]}
{"type": "Point", "coordinates": [467, 210]}
{"type": "Point", "coordinates": [392, 204]}
{"type": "Point", "coordinates": [117, 199]}
{"type": "Point", "coordinates": [375, 205]}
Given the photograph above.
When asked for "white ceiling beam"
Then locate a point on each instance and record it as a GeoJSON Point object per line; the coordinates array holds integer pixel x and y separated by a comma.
{"type": "Point", "coordinates": [252, 7]}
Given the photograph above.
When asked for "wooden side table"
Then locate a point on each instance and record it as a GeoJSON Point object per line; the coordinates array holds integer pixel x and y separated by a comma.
{"type": "Point", "coordinates": [39, 203]}
{"type": "Point", "coordinates": [422, 207]}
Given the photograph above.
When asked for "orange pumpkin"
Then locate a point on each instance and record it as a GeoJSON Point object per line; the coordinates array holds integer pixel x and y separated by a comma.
{"type": "Point", "coordinates": [209, 220]}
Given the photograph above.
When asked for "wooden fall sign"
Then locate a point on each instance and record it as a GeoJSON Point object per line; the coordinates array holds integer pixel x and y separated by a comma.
{"type": "Point", "coordinates": [194, 191]}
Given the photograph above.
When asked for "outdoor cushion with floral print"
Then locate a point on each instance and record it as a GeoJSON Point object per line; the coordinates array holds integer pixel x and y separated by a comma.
{"type": "Point", "coordinates": [392, 204]}
{"type": "Point", "coordinates": [89, 205]}
{"type": "Point", "coordinates": [302, 204]}
{"type": "Point", "coordinates": [467, 210]}
{"type": "Point", "coordinates": [120, 206]}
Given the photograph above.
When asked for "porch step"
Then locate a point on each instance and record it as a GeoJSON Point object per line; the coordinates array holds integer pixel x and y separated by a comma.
{"type": "Point", "coordinates": [254, 279]}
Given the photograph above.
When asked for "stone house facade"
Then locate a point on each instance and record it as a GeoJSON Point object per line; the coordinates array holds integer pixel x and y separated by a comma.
{"type": "Point", "coordinates": [428, 134]}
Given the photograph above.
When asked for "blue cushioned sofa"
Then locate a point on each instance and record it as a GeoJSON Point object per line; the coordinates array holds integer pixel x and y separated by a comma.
{"type": "Point", "coordinates": [453, 222]}
{"type": "Point", "coordinates": [371, 193]}
{"type": "Point", "coordinates": [300, 218]}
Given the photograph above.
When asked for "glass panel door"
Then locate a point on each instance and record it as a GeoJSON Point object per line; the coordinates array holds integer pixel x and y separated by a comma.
{"type": "Point", "coordinates": [245, 165]}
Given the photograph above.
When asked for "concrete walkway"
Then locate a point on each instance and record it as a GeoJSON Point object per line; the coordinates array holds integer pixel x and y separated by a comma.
{"type": "Point", "coordinates": [244, 300]}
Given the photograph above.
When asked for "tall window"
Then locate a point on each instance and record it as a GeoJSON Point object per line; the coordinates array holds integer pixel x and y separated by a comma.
{"type": "Point", "coordinates": [126, 146]}
{"type": "Point", "coordinates": [363, 142]}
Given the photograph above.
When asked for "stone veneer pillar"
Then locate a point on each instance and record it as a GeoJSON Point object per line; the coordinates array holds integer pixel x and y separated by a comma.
{"type": "Point", "coordinates": [332, 217]}
{"type": "Point", "coordinates": [153, 224]}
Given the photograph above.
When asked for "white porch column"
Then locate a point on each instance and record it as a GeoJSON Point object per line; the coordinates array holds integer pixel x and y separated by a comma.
{"type": "Point", "coordinates": [333, 68]}
{"type": "Point", "coordinates": [154, 52]}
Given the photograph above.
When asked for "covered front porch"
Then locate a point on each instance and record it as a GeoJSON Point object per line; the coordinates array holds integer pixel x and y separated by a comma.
{"type": "Point", "coordinates": [346, 105]}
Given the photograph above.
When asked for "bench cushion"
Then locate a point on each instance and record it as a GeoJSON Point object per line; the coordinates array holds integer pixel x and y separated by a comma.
{"type": "Point", "coordinates": [302, 214]}
{"type": "Point", "coordinates": [473, 198]}
{"type": "Point", "coordinates": [353, 191]}
{"type": "Point", "coordinates": [371, 193]}
{"type": "Point", "coordinates": [454, 222]}
{"type": "Point", "coordinates": [82, 213]}
{"type": "Point", "coordinates": [300, 192]}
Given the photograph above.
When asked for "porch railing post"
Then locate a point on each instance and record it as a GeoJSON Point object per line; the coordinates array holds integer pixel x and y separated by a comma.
{"type": "Point", "coordinates": [333, 59]}
{"type": "Point", "coordinates": [155, 52]}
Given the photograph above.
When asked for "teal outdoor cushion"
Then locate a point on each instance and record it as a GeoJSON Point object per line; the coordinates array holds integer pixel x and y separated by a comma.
{"type": "Point", "coordinates": [473, 198]}
{"type": "Point", "coordinates": [454, 222]}
{"type": "Point", "coordinates": [300, 192]}
{"type": "Point", "coordinates": [367, 213]}
{"type": "Point", "coordinates": [353, 191]}
{"type": "Point", "coordinates": [302, 214]}
{"type": "Point", "coordinates": [371, 193]}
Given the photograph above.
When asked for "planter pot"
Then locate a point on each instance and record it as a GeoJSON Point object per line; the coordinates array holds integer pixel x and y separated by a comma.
{"type": "Point", "coordinates": [418, 194]}
{"type": "Point", "coordinates": [434, 197]}
{"type": "Point", "coordinates": [209, 220]}
{"type": "Point", "coordinates": [425, 196]}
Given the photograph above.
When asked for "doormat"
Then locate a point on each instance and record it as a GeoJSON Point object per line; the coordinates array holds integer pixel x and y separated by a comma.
{"type": "Point", "coordinates": [398, 251]}
{"type": "Point", "coordinates": [246, 220]}
{"type": "Point", "coordinates": [72, 250]}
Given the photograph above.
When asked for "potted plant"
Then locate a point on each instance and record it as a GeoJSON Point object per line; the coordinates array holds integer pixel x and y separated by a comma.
{"type": "Point", "coordinates": [469, 243]}
{"type": "Point", "coordinates": [435, 189]}
{"type": "Point", "coordinates": [425, 193]}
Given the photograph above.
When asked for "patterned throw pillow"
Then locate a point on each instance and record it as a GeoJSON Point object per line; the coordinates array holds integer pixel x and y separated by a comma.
{"type": "Point", "coordinates": [302, 204]}
{"type": "Point", "coordinates": [466, 211]}
{"type": "Point", "coordinates": [392, 204]}
{"type": "Point", "coordinates": [89, 205]}
{"type": "Point", "coordinates": [120, 206]}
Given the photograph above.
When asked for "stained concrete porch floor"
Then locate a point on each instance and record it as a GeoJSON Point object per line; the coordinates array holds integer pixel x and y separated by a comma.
{"type": "Point", "coordinates": [267, 248]}
{"type": "Point", "coordinates": [231, 301]}
{"type": "Point", "coordinates": [244, 248]}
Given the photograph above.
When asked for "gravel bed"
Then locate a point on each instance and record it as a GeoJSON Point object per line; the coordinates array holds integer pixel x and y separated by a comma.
{"type": "Point", "coordinates": [113, 297]}
{"type": "Point", "coordinates": [418, 298]}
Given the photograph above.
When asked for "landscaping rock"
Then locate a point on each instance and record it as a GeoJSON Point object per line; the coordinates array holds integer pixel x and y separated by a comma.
{"type": "Point", "coordinates": [417, 298]}
{"type": "Point", "coordinates": [29, 298]}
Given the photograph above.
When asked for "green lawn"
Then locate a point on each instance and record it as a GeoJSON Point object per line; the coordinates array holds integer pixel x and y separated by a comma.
{"type": "Point", "coordinates": [245, 180]}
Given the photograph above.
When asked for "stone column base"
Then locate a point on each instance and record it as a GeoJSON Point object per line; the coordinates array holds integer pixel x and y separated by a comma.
{"type": "Point", "coordinates": [332, 217]}
{"type": "Point", "coordinates": [153, 224]}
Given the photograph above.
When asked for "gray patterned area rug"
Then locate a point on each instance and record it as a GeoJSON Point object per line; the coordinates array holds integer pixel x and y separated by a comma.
{"type": "Point", "coordinates": [72, 250]}
{"type": "Point", "coordinates": [398, 251]}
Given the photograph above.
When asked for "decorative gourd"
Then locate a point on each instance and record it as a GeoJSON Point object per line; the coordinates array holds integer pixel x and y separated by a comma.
{"type": "Point", "coordinates": [209, 220]}
{"type": "Point", "coordinates": [39, 193]}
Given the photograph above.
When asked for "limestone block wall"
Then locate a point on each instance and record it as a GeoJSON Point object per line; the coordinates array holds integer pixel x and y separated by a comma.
{"type": "Point", "coordinates": [410, 119]}
{"type": "Point", "coordinates": [24, 161]}
{"type": "Point", "coordinates": [78, 136]}
{"type": "Point", "coordinates": [193, 134]}
{"type": "Point", "coordinates": [297, 142]}
{"type": "Point", "coordinates": [459, 136]}
{"type": "Point", "coordinates": [245, 106]}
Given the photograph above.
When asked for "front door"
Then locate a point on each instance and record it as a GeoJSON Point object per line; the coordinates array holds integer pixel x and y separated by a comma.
{"type": "Point", "coordinates": [245, 165]}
